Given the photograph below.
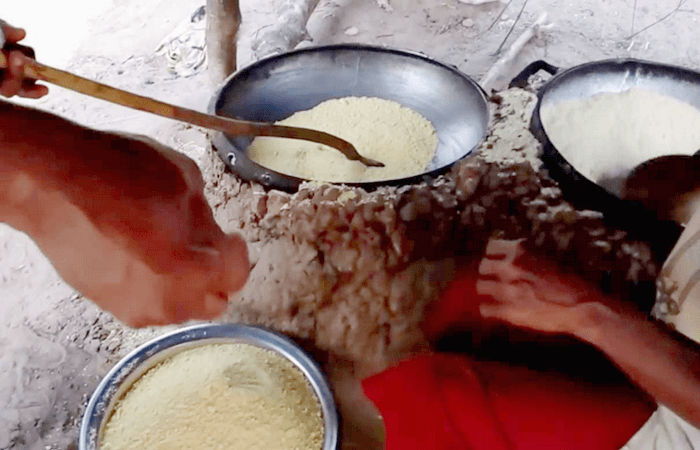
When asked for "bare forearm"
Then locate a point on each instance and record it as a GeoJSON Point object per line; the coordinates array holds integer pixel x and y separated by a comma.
{"type": "Point", "coordinates": [35, 140]}
{"type": "Point", "coordinates": [58, 151]}
{"type": "Point", "coordinates": [96, 171]}
{"type": "Point", "coordinates": [37, 151]}
{"type": "Point", "coordinates": [123, 219]}
{"type": "Point", "coordinates": [662, 362]}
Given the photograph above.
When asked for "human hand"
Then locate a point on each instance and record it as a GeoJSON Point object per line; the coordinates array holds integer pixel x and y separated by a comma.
{"type": "Point", "coordinates": [656, 358]}
{"type": "Point", "coordinates": [538, 297]}
{"type": "Point", "coordinates": [12, 81]}
{"type": "Point", "coordinates": [163, 220]}
{"type": "Point", "coordinates": [128, 225]}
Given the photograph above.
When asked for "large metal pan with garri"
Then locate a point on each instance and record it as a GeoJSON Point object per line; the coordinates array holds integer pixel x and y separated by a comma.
{"type": "Point", "coordinates": [274, 88]}
{"type": "Point", "coordinates": [584, 82]}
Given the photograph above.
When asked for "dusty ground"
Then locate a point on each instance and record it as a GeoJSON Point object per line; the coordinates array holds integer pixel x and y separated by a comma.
{"type": "Point", "coordinates": [54, 344]}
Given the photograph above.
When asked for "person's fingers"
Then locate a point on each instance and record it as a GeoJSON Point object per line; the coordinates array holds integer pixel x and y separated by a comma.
{"type": "Point", "coordinates": [223, 262]}
{"type": "Point", "coordinates": [199, 305]}
{"type": "Point", "coordinates": [12, 81]}
{"type": "Point", "coordinates": [140, 312]}
{"type": "Point", "coordinates": [144, 321]}
{"type": "Point", "coordinates": [12, 34]}
{"type": "Point", "coordinates": [489, 288]}
{"type": "Point", "coordinates": [504, 250]}
{"type": "Point", "coordinates": [236, 266]}
{"type": "Point", "coordinates": [206, 286]}
{"type": "Point", "coordinates": [491, 311]}
{"type": "Point", "coordinates": [16, 65]}
{"type": "Point", "coordinates": [203, 231]}
{"type": "Point", "coordinates": [185, 300]}
{"type": "Point", "coordinates": [520, 292]}
{"type": "Point", "coordinates": [189, 168]}
{"type": "Point", "coordinates": [505, 272]}
{"type": "Point", "coordinates": [498, 290]}
{"type": "Point", "coordinates": [490, 268]}
{"type": "Point", "coordinates": [33, 91]}
{"type": "Point", "coordinates": [214, 305]}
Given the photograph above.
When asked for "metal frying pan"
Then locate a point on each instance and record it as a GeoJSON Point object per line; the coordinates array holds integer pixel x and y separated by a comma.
{"type": "Point", "coordinates": [276, 87]}
{"type": "Point", "coordinates": [588, 80]}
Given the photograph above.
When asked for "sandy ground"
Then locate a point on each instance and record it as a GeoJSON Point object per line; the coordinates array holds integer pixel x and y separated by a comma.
{"type": "Point", "coordinates": [54, 345]}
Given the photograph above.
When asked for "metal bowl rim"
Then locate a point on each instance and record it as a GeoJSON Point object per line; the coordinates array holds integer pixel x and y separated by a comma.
{"type": "Point", "coordinates": [211, 108]}
{"type": "Point", "coordinates": [615, 62]}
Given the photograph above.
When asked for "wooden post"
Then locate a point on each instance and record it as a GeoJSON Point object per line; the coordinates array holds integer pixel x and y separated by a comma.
{"type": "Point", "coordinates": [223, 20]}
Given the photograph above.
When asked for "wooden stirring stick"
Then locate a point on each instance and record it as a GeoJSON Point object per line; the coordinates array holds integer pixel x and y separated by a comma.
{"type": "Point", "coordinates": [233, 127]}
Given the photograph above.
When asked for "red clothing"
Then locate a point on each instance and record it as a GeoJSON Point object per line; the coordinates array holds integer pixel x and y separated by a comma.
{"type": "Point", "coordinates": [449, 402]}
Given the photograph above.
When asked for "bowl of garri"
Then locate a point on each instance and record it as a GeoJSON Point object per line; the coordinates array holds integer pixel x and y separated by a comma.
{"type": "Point", "coordinates": [210, 387]}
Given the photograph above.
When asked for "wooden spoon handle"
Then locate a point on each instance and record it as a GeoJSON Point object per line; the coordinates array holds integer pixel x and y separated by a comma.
{"type": "Point", "coordinates": [38, 71]}
{"type": "Point", "coordinates": [35, 70]}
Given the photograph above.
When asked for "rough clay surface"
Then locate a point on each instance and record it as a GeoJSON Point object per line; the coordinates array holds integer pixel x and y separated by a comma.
{"type": "Point", "coordinates": [366, 265]}
{"type": "Point", "coordinates": [55, 345]}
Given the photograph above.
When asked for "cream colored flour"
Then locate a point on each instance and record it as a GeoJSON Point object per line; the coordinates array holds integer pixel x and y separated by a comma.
{"type": "Point", "coordinates": [219, 396]}
{"type": "Point", "coordinates": [379, 129]}
{"type": "Point", "coordinates": [608, 135]}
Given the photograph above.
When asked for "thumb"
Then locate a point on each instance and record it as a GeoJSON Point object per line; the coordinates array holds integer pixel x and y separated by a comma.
{"type": "Point", "coordinates": [12, 34]}
{"type": "Point", "coordinates": [491, 310]}
{"type": "Point", "coordinates": [235, 266]}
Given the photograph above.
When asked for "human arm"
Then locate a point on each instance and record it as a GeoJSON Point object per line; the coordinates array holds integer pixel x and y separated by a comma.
{"type": "Point", "coordinates": [662, 362]}
{"type": "Point", "coordinates": [123, 219]}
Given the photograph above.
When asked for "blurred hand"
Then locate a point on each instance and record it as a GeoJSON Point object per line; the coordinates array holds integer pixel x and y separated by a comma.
{"type": "Point", "coordinates": [663, 363]}
{"type": "Point", "coordinates": [12, 81]}
{"type": "Point", "coordinates": [128, 225]}
{"type": "Point", "coordinates": [537, 297]}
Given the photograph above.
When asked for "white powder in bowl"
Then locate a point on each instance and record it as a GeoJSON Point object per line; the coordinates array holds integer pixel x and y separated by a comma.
{"type": "Point", "coordinates": [383, 130]}
{"type": "Point", "coordinates": [606, 136]}
{"type": "Point", "coordinates": [218, 396]}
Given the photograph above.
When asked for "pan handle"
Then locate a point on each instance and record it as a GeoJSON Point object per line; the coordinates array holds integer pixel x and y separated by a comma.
{"type": "Point", "coordinates": [521, 79]}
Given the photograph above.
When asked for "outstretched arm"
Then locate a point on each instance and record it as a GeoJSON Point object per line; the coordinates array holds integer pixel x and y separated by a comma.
{"type": "Point", "coordinates": [123, 219]}
{"type": "Point", "coordinates": [659, 360]}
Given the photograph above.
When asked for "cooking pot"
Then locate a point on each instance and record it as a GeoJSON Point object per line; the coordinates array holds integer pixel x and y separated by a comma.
{"type": "Point", "coordinates": [274, 88]}
{"type": "Point", "coordinates": [585, 81]}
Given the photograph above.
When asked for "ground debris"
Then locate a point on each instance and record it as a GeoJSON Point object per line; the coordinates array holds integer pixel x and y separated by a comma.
{"type": "Point", "coordinates": [384, 4]}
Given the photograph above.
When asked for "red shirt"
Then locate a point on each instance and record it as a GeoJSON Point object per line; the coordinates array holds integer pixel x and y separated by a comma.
{"type": "Point", "coordinates": [450, 402]}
